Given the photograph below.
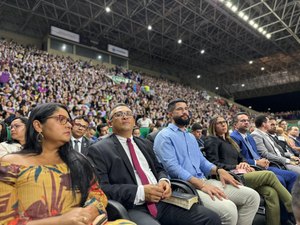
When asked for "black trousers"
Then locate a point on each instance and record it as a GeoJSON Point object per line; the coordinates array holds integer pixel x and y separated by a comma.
{"type": "Point", "coordinates": [168, 214]}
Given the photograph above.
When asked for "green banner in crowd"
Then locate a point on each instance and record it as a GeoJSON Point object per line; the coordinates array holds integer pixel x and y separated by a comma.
{"type": "Point", "coordinates": [118, 79]}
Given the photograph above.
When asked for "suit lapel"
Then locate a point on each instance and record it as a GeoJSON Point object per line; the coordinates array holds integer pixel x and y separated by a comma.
{"type": "Point", "coordinates": [124, 157]}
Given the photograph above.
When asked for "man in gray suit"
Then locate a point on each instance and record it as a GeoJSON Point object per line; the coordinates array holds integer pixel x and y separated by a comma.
{"type": "Point", "coordinates": [270, 149]}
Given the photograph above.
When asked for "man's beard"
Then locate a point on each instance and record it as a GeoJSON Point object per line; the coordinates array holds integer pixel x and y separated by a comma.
{"type": "Point", "coordinates": [243, 130]}
{"type": "Point", "coordinates": [271, 131]}
{"type": "Point", "coordinates": [181, 122]}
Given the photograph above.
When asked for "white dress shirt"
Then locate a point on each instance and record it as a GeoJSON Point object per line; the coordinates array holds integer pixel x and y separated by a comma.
{"type": "Point", "coordinates": [140, 194]}
{"type": "Point", "coordinates": [79, 143]}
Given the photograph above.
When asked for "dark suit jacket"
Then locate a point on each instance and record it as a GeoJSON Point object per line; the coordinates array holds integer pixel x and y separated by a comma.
{"type": "Point", "coordinates": [237, 137]}
{"type": "Point", "coordinates": [114, 170]}
{"type": "Point", "coordinates": [84, 145]}
{"type": "Point", "coordinates": [222, 153]}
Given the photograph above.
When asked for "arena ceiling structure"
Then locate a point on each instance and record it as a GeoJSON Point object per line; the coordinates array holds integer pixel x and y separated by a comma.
{"type": "Point", "coordinates": [241, 48]}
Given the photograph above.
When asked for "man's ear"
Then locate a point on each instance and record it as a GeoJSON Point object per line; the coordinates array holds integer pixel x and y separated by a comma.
{"type": "Point", "coordinates": [109, 122]}
{"type": "Point", "coordinates": [169, 115]}
{"type": "Point", "coordinates": [37, 126]}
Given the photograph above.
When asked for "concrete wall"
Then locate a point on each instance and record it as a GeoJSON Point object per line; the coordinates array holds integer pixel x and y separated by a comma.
{"type": "Point", "coordinates": [21, 39]}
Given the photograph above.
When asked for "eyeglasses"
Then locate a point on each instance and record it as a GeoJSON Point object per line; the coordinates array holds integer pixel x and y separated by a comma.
{"type": "Point", "coordinates": [122, 114]}
{"type": "Point", "coordinates": [80, 125]}
{"type": "Point", "coordinates": [16, 126]}
{"type": "Point", "coordinates": [221, 122]}
{"type": "Point", "coordinates": [62, 119]}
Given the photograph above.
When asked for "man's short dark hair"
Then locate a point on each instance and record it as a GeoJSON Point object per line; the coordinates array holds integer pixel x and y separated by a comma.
{"type": "Point", "coordinates": [196, 126]}
{"type": "Point", "coordinates": [259, 120]}
{"type": "Point", "coordinates": [99, 127]}
{"type": "Point", "coordinates": [81, 118]}
{"type": "Point", "coordinates": [171, 105]}
{"type": "Point", "coordinates": [235, 117]}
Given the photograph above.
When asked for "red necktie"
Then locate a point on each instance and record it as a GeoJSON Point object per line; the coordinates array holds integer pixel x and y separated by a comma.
{"type": "Point", "coordinates": [151, 206]}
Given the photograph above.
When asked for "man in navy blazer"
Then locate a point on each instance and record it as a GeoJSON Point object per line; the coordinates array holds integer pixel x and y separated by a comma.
{"type": "Point", "coordinates": [249, 151]}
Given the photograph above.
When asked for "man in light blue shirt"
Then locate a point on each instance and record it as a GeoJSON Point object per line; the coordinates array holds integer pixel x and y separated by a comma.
{"type": "Point", "coordinates": [179, 153]}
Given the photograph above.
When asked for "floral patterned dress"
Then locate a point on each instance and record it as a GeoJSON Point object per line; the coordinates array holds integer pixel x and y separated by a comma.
{"type": "Point", "coordinates": [36, 192]}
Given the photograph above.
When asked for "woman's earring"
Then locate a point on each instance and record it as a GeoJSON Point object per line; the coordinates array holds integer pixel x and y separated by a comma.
{"type": "Point", "coordinates": [40, 137]}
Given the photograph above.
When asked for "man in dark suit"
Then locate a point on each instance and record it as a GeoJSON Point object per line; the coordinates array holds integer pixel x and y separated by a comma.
{"type": "Point", "coordinates": [129, 173]}
{"type": "Point", "coordinates": [79, 142]}
{"type": "Point", "coordinates": [249, 151]}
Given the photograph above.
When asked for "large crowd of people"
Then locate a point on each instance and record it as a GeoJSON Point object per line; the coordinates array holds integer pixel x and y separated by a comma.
{"type": "Point", "coordinates": [30, 76]}
{"type": "Point", "coordinates": [67, 127]}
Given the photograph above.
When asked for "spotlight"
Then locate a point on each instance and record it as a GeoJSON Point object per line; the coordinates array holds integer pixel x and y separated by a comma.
{"type": "Point", "coordinates": [107, 9]}
{"type": "Point", "coordinates": [245, 17]}
{"type": "Point", "coordinates": [228, 4]}
{"type": "Point", "coordinates": [234, 8]}
{"type": "Point", "coordinates": [250, 62]}
{"type": "Point", "coordinates": [149, 27]}
{"type": "Point", "coordinates": [241, 14]}
{"type": "Point", "coordinates": [202, 51]}
{"type": "Point", "coordinates": [179, 41]}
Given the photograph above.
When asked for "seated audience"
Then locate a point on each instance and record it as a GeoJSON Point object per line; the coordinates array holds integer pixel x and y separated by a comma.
{"type": "Point", "coordinates": [293, 134]}
{"type": "Point", "coordinates": [136, 132]}
{"type": "Point", "coordinates": [144, 121]}
{"type": "Point", "coordinates": [249, 151]}
{"type": "Point", "coordinates": [79, 142]}
{"type": "Point", "coordinates": [276, 133]}
{"type": "Point", "coordinates": [17, 130]}
{"type": "Point", "coordinates": [48, 182]}
{"type": "Point", "coordinates": [225, 153]}
{"type": "Point", "coordinates": [103, 131]}
{"type": "Point", "coordinates": [3, 132]}
{"type": "Point", "coordinates": [196, 130]}
{"type": "Point", "coordinates": [268, 148]}
{"type": "Point", "coordinates": [178, 151]}
{"type": "Point", "coordinates": [130, 174]}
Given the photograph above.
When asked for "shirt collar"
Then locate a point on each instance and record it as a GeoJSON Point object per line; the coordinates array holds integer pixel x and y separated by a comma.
{"type": "Point", "coordinates": [79, 139]}
{"type": "Point", "coordinates": [123, 139]}
{"type": "Point", "coordinates": [175, 128]}
{"type": "Point", "coordinates": [243, 135]}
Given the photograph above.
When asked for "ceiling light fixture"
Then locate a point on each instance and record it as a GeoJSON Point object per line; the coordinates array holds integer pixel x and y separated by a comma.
{"type": "Point", "coordinates": [245, 17]}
